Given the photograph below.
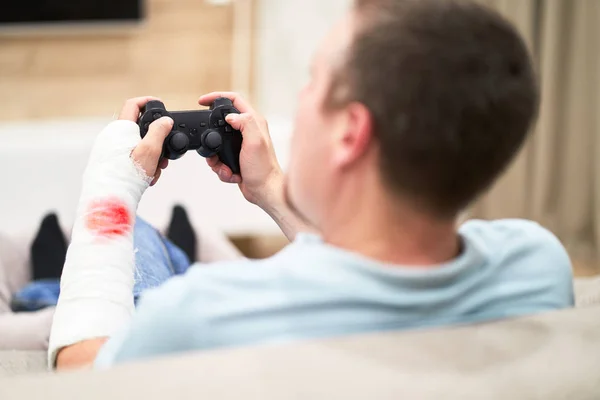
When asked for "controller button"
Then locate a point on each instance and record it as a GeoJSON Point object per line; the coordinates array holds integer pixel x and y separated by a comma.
{"type": "Point", "coordinates": [221, 122]}
{"type": "Point", "coordinates": [156, 115]}
{"type": "Point", "coordinates": [228, 129]}
{"type": "Point", "coordinates": [194, 131]}
{"type": "Point", "coordinates": [213, 140]}
{"type": "Point", "coordinates": [182, 126]}
{"type": "Point", "coordinates": [147, 125]}
{"type": "Point", "coordinates": [203, 124]}
{"type": "Point", "coordinates": [179, 142]}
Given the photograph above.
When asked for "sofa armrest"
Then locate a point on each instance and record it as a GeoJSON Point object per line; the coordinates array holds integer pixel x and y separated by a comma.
{"type": "Point", "coordinates": [25, 331]}
{"type": "Point", "coordinates": [587, 291]}
{"type": "Point", "coordinates": [213, 246]}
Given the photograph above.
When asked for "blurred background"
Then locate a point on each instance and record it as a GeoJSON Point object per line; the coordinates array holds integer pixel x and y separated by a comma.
{"type": "Point", "coordinates": [66, 66]}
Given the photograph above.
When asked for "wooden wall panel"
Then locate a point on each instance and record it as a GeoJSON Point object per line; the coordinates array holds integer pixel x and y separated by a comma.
{"type": "Point", "coordinates": [183, 49]}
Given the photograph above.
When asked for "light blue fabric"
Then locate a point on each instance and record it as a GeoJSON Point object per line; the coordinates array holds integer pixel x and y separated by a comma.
{"type": "Point", "coordinates": [156, 258]}
{"type": "Point", "coordinates": [310, 289]}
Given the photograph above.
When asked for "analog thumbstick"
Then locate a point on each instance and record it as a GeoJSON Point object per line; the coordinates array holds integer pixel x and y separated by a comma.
{"type": "Point", "coordinates": [179, 142]}
{"type": "Point", "coordinates": [212, 140]}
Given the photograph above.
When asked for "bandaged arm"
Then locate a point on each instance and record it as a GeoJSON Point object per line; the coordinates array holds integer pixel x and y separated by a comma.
{"type": "Point", "coordinates": [96, 297]}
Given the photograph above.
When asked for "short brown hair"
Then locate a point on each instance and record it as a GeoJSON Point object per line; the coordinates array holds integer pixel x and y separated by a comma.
{"type": "Point", "coordinates": [452, 92]}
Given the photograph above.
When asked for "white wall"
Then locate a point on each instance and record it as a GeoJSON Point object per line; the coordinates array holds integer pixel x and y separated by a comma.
{"type": "Point", "coordinates": [289, 31]}
{"type": "Point", "coordinates": [41, 162]}
{"type": "Point", "coordinates": [41, 165]}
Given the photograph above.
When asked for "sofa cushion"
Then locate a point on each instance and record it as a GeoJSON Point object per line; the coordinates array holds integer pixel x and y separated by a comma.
{"type": "Point", "coordinates": [13, 363]}
{"type": "Point", "coordinates": [550, 356]}
{"type": "Point", "coordinates": [14, 268]}
{"type": "Point", "coordinates": [587, 291]}
{"type": "Point", "coordinates": [23, 331]}
{"type": "Point", "coordinates": [26, 330]}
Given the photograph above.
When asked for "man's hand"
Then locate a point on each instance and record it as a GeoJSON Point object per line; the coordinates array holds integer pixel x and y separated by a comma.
{"type": "Point", "coordinates": [79, 355]}
{"type": "Point", "coordinates": [261, 177]}
{"type": "Point", "coordinates": [148, 151]}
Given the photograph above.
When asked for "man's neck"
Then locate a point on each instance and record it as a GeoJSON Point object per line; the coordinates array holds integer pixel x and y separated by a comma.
{"type": "Point", "coordinates": [377, 228]}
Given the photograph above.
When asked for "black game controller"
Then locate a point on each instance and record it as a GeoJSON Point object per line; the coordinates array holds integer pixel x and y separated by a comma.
{"type": "Point", "coordinates": [203, 130]}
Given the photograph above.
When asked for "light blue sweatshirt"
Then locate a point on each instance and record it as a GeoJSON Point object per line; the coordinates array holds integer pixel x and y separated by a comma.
{"type": "Point", "coordinates": [310, 289]}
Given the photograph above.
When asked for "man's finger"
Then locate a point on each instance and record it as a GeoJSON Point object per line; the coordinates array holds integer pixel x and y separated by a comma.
{"type": "Point", "coordinates": [158, 132]}
{"type": "Point", "coordinates": [132, 107]}
{"type": "Point", "coordinates": [213, 161]}
{"type": "Point", "coordinates": [222, 171]}
{"type": "Point", "coordinates": [156, 177]}
{"type": "Point", "coordinates": [236, 121]}
{"type": "Point", "coordinates": [238, 101]}
{"type": "Point", "coordinates": [148, 151]}
{"type": "Point", "coordinates": [225, 174]}
{"type": "Point", "coordinates": [164, 163]}
{"type": "Point", "coordinates": [245, 123]}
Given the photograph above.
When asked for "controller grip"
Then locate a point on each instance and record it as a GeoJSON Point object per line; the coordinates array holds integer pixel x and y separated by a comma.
{"type": "Point", "coordinates": [230, 152]}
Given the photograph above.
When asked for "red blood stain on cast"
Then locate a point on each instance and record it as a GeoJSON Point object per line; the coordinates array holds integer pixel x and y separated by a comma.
{"type": "Point", "coordinates": [108, 218]}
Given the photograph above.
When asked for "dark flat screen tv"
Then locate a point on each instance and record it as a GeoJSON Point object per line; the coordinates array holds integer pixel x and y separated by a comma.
{"type": "Point", "coordinates": [56, 12]}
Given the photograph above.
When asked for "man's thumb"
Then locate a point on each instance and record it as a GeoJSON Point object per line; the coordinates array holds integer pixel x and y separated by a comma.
{"type": "Point", "coordinates": [158, 132]}
{"type": "Point", "coordinates": [235, 120]}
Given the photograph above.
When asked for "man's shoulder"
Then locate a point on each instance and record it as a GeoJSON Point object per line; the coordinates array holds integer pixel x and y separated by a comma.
{"type": "Point", "coordinates": [511, 232]}
{"type": "Point", "coordinates": [521, 248]}
{"type": "Point", "coordinates": [503, 225]}
{"type": "Point", "coordinates": [524, 259]}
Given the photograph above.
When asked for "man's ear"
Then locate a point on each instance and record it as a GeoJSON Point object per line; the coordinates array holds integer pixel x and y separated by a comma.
{"type": "Point", "coordinates": [356, 137]}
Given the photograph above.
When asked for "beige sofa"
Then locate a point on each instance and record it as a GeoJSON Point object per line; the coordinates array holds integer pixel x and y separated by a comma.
{"type": "Point", "coordinates": [29, 331]}
{"type": "Point", "coordinates": [549, 356]}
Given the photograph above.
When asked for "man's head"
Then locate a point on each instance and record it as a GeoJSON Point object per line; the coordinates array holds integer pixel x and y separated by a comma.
{"type": "Point", "coordinates": [428, 100]}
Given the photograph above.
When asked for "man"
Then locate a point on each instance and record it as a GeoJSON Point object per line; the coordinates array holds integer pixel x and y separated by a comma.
{"type": "Point", "coordinates": [414, 108]}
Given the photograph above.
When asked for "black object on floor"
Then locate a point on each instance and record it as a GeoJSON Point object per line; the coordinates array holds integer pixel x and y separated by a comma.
{"type": "Point", "coordinates": [48, 250]}
{"type": "Point", "coordinates": [181, 232]}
